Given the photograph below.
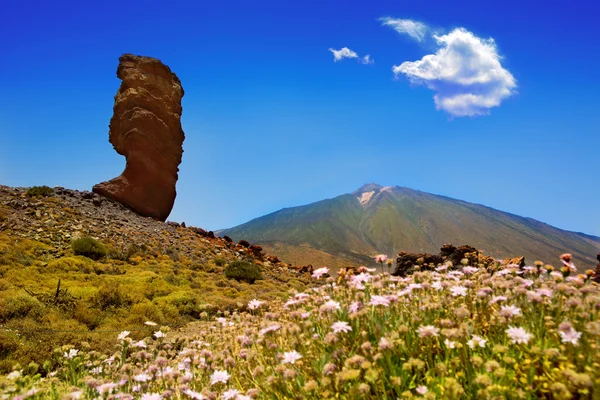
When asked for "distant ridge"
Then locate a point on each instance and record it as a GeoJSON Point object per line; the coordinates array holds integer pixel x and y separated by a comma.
{"type": "Point", "coordinates": [351, 228]}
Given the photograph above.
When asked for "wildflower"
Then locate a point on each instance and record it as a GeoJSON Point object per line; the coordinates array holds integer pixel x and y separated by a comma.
{"type": "Point", "coordinates": [509, 311]}
{"type": "Point", "coordinates": [143, 377]}
{"type": "Point", "coordinates": [437, 285]}
{"type": "Point", "coordinates": [496, 299]}
{"type": "Point", "coordinates": [476, 341]}
{"type": "Point", "coordinates": [159, 334]}
{"type": "Point", "coordinates": [330, 305]}
{"type": "Point", "coordinates": [341, 326]}
{"type": "Point", "coordinates": [544, 292]}
{"type": "Point", "coordinates": [458, 290]}
{"type": "Point", "coordinates": [141, 344]}
{"type": "Point", "coordinates": [570, 336]}
{"type": "Point", "coordinates": [106, 388]}
{"type": "Point", "coordinates": [150, 323]}
{"type": "Point", "coordinates": [468, 270]}
{"type": "Point", "coordinates": [71, 354]}
{"type": "Point", "coordinates": [384, 344]}
{"type": "Point", "coordinates": [14, 375]}
{"type": "Point", "coordinates": [422, 389]}
{"type": "Point", "coordinates": [450, 344]}
{"type": "Point", "coordinates": [518, 335]}
{"type": "Point", "coordinates": [428, 330]}
{"type": "Point", "coordinates": [194, 395]}
{"type": "Point", "coordinates": [123, 335]}
{"type": "Point", "coordinates": [320, 272]}
{"type": "Point", "coordinates": [377, 300]}
{"type": "Point", "coordinates": [230, 394]}
{"type": "Point", "coordinates": [380, 258]}
{"type": "Point", "coordinates": [566, 259]}
{"type": "Point", "coordinates": [151, 396]}
{"type": "Point", "coordinates": [243, 397]}
{"type": "Point", "coordinates": [290, 357]}
{"type": "Point", "coordinates": [254, 304]}
{"type": "Point", "coordinates": [354, 306]}
{"type": "Point", "coordinates": [219, 376]}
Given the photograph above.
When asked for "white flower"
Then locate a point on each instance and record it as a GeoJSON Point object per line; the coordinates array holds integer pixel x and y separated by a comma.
{"type": "Point", "coordinates": [510, 311]}
{"type": "Point", "coordinates": [290, 357]}
{"type": "Point", "coordinates": [437, 285]}
{"type": "Point", "coordinates": [106, 388]}
{"type": "Point", "coordinates": [194, 395]}
{"type": "Point", "coordinates": [458, 290]}
{"type": "Point", "coordinates": [123, 335]}
{"type": "Point", "coordinates": [496, 299]}
{"type": "Point", "coordinates": [141, 344]}
{"type": "Point", "coordinates": [151, 396]}
{"type": "Point", "coordinates": [469, 270]}
{"type": "Point", "coordinates": [422, 390]}
{"type": "Point", "coordinates": [254, 304]}
{"type": "Point", "coordinates": [230, 394]}
{"type": "Point", "coordinates": [219, 376]}
{"type": "Point", "coordinates": [518, 335]}
{"type": "Point", "coordinates": [71, 354]}
{"type": "Point", "coordinates": [330, 305]}
{"type": "Point", "coordinates": [570, 336]}
{"type": "Point", "coordinates": [159, 334]}
{"type": "Point", "coordinates": [341, 326]}
{"type": "Point", "coordinates": [450, 344]}
{"type": "Point", "coordinates": [14, 375]}
{"type": "Point", "coordinates": [320, 272]}
{"type": "Point", "coordinates": [476, 341]}
{"type": "Point", "coordinates": [143, 377]}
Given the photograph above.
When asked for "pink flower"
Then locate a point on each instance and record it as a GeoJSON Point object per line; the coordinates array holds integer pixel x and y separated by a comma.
{"type": "Point", "coordinates": [458, 291]}
{"type": "Point", "coordinates": [219, 376]}
{"type": "Point", "coordinates": [330, 305]}
{"type": "Point", "coordinates": [271, 328]}
{"type": "Point", "coordinates": [380, 258]}
{"type": "Point", "coordinates": [354, 307]}
{"type": "Point", "coordinates": [510, 311]}
{"type": "Point", "coordinates": [290, 357]}
{"type": "Point", "coordinates": [422, 390]}
{"type": "Point", "coordinates": [194, 395]}
{"type": "Point", "coordinates": [341, 326]}
{"type": "Point", "coordinates": [254, 304]}
{"type": "Point", "coordinates": [377, 300]}
{"type": "Point", "coordinates": [570, 336]}
{"type": "Point", "coordinates": [496, 299]}
{"type": "Point", "coordinates": [428, 330]}
{"type": "Point", "coordinates": [230, 394]}
{"type": "Point", "coordinates": [320, 272]}
{"type": "Point", "coordinates": [518, 335]}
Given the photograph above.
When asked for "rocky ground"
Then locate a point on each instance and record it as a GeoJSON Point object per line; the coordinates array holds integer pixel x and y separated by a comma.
{"type": "Point", "coordinates": [68, 214]}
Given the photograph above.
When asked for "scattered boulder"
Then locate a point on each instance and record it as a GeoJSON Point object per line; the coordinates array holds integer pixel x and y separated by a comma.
{"type": "Point", "coordinates": [597, 272]}
{"type": "Point", "coordinates": [244, 243]}
{"type": "Point", "coordinates": [146, 129]}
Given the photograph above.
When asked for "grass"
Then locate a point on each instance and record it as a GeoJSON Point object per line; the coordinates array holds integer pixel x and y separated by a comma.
{"type": "Point", "coordinates": [98, 296]}
{"type": "Point", "coordinates": [452, 333]}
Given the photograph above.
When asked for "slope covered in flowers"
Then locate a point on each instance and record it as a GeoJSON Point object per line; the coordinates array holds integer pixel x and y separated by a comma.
{"type": "Point", "coordinates": [452, 333]}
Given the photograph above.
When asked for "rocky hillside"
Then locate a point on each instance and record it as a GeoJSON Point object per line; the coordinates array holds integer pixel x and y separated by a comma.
{"type": "Point", "coordinates": [167, 273]}
{"type": "Point", "coordinates": [353, 227]}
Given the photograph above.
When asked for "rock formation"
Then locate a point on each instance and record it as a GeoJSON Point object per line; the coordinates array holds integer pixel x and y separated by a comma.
{"type": "Point", "coordinates": [597, 272]}
{"type": "Point", "coordinates": [406, 262]}
{"type": "Point", "coordinates": [146, 129]}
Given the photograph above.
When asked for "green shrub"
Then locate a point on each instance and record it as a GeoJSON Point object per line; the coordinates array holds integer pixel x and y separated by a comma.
{"type": "Point", "coordinates": [219, 261]}
{"type": "Point", "coordinates": [19, 306]}
{"type": "Point", "coordinates": [40, 191]}
{"type": "Point", "coordinates": [89, 247]}
{"type": "Point", "coordinates": [243, 271]}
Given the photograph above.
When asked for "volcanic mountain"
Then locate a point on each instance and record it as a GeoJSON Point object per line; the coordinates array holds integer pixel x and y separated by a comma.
{"type": "Point", "coordinates": [350, 229]}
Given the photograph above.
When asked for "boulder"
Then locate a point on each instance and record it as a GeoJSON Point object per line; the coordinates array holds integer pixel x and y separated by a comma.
{"type": "Point", "coordinates": [146, 129]}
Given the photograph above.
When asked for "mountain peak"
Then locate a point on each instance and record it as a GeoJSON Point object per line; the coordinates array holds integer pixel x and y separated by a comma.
{"type": "Point", "coordinates": [367, 187]}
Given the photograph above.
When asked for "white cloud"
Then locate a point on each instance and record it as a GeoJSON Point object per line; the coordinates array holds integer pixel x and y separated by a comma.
{"type": "Point", "coordinates": [342, 53]}
{"type": "Point", "coordinates": [367, 60]}
{"type": "Point", "coordinates": [415, 29]}
{"type": "Point", "coordinates": [465, 73]}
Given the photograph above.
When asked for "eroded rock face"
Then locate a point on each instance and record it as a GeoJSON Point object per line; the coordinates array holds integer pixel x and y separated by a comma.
{"type": "Point", "coordinates": [146, 129]}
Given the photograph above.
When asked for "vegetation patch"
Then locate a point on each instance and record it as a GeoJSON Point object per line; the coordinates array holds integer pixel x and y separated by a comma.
{"type": "Point", "coordinates": [40, 191]}
{"type": "Point", "coordinates": [243, 271]}
{"type": "Point", "coordinates": [89, 247]}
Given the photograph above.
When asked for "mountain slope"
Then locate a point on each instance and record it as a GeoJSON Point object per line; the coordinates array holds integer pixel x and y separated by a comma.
{"type": "Point", "coordinates": [376, 219]}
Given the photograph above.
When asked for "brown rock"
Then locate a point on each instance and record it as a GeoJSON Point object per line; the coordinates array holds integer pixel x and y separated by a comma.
{"type": "Point", "coordinates": [146, 129]}
{"type": "Point", "coordinates": [597, 272]}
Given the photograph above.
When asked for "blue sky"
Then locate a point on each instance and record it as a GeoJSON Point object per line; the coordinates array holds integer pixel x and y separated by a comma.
{"type": "Point", "coordinates": [272, 121]}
